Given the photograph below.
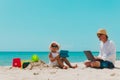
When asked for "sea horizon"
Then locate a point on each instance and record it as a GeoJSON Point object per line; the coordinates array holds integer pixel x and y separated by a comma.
{"type": "Point", "coordinates": [48, 51]}
{"type": "Point", "coordinates": [6, 57]}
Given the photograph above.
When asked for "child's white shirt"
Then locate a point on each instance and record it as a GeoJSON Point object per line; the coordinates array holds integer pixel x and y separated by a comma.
{"type": "Point", "coordinates": [54, 63]}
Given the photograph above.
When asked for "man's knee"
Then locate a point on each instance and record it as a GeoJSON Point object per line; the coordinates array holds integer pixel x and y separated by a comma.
{"type": "Point", "coordinates": [95, 64]}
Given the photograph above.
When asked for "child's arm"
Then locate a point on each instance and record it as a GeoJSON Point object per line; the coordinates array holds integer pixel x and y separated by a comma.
{"type": "Point", "coordinates": [51, 58]}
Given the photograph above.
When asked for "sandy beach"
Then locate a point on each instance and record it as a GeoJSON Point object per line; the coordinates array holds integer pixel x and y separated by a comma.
{"type": "Point", "coordinates": [49, 73]}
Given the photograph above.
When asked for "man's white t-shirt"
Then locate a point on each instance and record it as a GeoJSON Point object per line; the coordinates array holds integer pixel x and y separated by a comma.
{"type": "Point", "coordinates": [108, 51]}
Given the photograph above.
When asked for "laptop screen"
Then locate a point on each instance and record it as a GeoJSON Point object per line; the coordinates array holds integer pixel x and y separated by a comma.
{"type": "Point", "coordinates": [89, 55]}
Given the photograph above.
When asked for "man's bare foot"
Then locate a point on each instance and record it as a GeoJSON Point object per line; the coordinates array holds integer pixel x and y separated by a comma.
{"type": "Point", "coordinates": [87, 64]}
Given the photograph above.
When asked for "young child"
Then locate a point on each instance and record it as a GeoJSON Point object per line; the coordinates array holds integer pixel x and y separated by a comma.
{"type": "Point", "coordinates": [55, 59]}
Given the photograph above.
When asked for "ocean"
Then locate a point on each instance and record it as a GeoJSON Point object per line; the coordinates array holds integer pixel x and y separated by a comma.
{"type": "Point", "coordinates": [7, 57]}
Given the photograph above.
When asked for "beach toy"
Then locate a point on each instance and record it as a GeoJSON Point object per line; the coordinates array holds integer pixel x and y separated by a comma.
{"type": "Point", "coordinates": [25, 63]}
{"type": "Point", "coordinates": [16, 62]}
{"type": "Point", "coordinates": [35, 58]}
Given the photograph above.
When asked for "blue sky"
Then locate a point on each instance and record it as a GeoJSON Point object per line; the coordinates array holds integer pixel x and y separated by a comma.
{"type": "Point", "coordinates": [31, 25]}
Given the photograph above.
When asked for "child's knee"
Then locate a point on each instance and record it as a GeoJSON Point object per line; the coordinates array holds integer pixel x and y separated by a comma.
{"type": "Point", "coordinates": [63, 59]}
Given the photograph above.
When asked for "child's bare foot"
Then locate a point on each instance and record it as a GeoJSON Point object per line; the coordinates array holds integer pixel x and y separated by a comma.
{"type": "Point", "coordinates": [75, 66]}
{"type": "Point", "coordinates": [65, 67]}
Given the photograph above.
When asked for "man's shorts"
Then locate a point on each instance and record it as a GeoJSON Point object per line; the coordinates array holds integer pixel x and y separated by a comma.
{"type": "Point", "coordinates": [106, 64]}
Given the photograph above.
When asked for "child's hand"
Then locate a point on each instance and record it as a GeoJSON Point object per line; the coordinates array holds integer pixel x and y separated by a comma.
{"type": "Point", "coordinates": [57, 57]}
{"type": "Point", "coordinates": [52, 59]}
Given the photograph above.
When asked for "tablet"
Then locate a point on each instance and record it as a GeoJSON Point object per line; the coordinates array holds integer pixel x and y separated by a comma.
{"type": "Point", "coordinates": [64, 53]}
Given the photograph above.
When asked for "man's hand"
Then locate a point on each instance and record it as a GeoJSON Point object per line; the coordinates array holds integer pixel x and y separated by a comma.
{"type": "Point", "coordinates": [98, 58]}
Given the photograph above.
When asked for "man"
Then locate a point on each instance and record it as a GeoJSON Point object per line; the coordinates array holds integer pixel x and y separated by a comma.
{"type": "Point", "coordinates": [107, 54]}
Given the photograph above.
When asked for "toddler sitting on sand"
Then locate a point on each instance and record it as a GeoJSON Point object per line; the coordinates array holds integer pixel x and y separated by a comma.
{"type": "Point", "coordinates": [55, 59]}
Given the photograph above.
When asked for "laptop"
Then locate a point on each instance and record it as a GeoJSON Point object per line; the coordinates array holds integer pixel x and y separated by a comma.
{"type": "Point", "coordinates": [89, 55]}
{"type": "Point", "coordinates": [64, 53]}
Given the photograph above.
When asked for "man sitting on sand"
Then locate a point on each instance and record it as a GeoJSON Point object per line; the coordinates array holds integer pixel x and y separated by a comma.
{"type": "Point", "coordinates": [107, 55]}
